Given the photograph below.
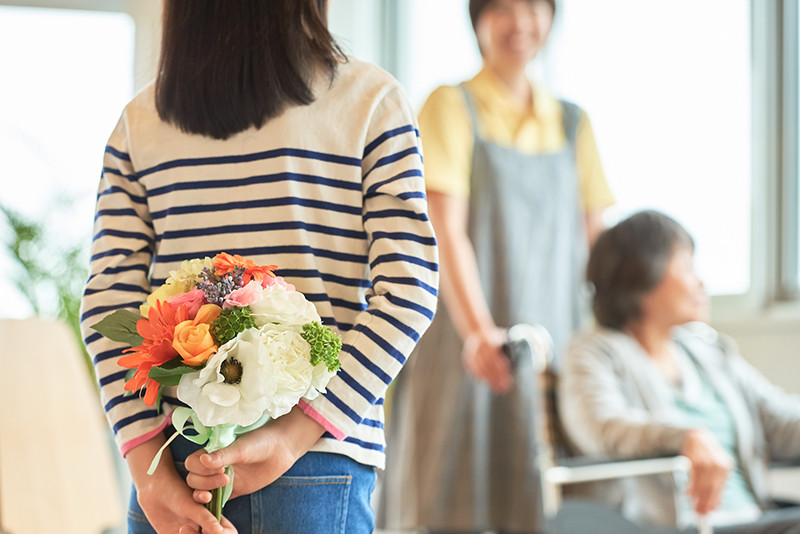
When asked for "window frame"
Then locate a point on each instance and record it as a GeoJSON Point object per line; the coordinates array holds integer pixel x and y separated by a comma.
{"type": "Point", "coordinates": [788, 274]}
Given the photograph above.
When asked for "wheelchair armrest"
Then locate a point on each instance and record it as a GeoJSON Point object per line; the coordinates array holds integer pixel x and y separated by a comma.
{"type": "Point", "coordinates": [786, 463]}
{"type": "Point", "coordinates": [593, 469]}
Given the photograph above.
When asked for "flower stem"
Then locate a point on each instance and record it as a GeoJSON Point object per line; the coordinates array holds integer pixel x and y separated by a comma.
{"type": "Point", "coordinates": [215, 505]}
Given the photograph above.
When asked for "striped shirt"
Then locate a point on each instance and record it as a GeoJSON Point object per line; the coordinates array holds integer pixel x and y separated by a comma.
{"type": "Point", "coordinates": [331, 192]}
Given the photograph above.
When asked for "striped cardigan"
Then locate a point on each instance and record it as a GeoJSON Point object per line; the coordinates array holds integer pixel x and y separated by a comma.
{"type": "Point", "coordinates": [331, 192]}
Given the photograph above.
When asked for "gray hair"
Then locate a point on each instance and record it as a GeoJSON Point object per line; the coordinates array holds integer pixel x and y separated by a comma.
{"type": "Point", "coordinates": [628, 261]}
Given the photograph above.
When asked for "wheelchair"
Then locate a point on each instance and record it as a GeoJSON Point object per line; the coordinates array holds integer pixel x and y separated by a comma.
{"type": "Point", "coordinates": [558, 470]}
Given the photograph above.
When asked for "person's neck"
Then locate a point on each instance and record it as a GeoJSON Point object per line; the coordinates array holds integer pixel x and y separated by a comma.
{"type": "Point", "coordinates": [655, 339]}
{"type": "Point", "coordinates": [514, 78]}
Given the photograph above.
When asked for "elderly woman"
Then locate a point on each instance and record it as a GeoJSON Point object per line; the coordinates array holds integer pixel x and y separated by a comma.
{"type": "Point", "coordinates": [652, 379]}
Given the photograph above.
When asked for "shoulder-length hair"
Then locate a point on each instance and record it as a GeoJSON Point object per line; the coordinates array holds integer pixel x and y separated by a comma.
{"type": "Point", "coordinates": [628, 261]}
{"type": "Point", "coordinates": [228, 65]}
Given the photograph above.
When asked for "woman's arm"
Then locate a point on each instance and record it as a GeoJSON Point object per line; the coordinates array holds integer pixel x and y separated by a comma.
{"type": "Point", "coordinates": [462, 294]}
{"type": "Point", "coordinates": [121, 254]}
{"type": "Point", "coordinates": [596, 411]}
{"type": "Point", "coordinates": [594, 225]}
{"type": "Point", "coordinates": [599, 418]}
{"type": "Point", "coordinates": [164, 496]}
{"type": "Point", "coordinates": [777, 410]}
{"type": "Point", "coordinates": [710, 466]}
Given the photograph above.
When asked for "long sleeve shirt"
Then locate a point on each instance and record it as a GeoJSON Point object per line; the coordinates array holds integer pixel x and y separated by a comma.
{"type": "Point", "coordinates": [331, 192]}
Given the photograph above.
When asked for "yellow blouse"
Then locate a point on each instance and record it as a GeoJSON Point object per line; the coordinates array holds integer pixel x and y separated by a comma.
{"type": "Point", "coordinates": [446, 132]}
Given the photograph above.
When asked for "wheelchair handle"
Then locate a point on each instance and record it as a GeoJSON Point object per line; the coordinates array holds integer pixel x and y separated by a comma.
{"type": "Point", "coordinates": [529, 339]}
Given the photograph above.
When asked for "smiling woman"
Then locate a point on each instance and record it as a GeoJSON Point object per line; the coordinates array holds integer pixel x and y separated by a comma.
{"type": "Point", "coordinates": [515, 190]}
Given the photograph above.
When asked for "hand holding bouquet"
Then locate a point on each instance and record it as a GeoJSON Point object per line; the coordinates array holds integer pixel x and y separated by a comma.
{"type": "Point", "coordinates": [240, 343]}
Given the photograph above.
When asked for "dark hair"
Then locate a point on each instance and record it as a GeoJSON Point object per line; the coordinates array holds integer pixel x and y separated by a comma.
{"type": "Point", "coordinates": [476, 7]}
{"type": "Point", "coordinates": [628, 261]}
{"type": "Point", "coordinates": [228, 65]}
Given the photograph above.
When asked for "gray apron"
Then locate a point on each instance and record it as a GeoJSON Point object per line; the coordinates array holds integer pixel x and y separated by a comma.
{"type": "Point", "coordinates": [460, 458]}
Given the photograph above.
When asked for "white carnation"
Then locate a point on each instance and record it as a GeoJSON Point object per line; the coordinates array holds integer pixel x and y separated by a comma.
{"type": "Point", "coordinates": [282, 306]}
{"type": "Point", "coordinates": [275, 373]}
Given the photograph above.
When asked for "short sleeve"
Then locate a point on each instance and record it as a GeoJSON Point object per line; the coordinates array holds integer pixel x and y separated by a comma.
{"type": "Point", "coordinates": [447, 136]}
{"type": "Point", "coordinates": [594, 188]}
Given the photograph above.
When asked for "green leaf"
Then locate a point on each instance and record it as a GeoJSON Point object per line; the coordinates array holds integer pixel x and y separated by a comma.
{"type": "Point", "coordinates": [120, 326]}
{"type": "Point", "coordinates": [170, 376]}
{"type": "Point", "coordinates": [128, 376]}
{"type": "Point", "coordinates": [227, 490]}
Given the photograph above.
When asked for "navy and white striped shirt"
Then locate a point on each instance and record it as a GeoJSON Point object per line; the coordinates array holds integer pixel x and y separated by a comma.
{"type": "Point", "coordinates": [331, 192]}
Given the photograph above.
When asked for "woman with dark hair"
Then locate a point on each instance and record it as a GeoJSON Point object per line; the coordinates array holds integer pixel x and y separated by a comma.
{"type": "Point", "coordinates": [260, 138]}
{"type": "Point", "coordinates": [515, 191]}
{"type": "Point", "coordinates": [653, 379]}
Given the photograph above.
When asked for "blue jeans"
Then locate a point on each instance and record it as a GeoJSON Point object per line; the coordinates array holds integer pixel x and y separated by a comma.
{"type": "Point", "coordinates": [322, 493]}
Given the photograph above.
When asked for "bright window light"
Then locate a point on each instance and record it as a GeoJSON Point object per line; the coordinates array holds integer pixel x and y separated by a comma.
{"type": "Point", "coordinates": [67, 75]}
{"type": "Point", "coordinates": [671, 111]}
{"type": "Point", "coordinates": [667, 88]}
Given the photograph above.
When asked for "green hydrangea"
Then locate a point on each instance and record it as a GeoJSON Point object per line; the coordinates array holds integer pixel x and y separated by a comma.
{"type": "Point", "coordinates": [230, 322]}
{"type": "Point", "coordinates": [325, 345]}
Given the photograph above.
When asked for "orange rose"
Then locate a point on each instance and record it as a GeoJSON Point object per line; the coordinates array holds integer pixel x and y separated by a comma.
{"type": "Point", "coordinates": [193, 339]}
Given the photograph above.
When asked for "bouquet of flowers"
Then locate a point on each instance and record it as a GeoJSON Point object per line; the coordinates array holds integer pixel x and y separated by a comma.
{"type": "Point", "coordinates": [241, 345]}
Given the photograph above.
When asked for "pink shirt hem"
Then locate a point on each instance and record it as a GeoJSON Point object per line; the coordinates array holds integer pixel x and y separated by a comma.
{"type": "Point", "coordinates": [315, 415]}
{"type": "Point", "coordinates": [126, 447]}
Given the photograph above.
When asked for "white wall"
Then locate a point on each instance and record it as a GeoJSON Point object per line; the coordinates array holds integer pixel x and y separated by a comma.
{"type": "Point", "coordinates": [356, 26]}
{"type": "Point", "coordinates": [770, 340]}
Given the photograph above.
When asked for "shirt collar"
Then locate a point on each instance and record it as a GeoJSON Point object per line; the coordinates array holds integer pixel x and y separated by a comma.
{"type": "Point", "coordinates": [488, 88]}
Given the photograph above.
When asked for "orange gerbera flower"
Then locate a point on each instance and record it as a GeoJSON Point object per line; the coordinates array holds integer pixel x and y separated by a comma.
{"type": "Point", "coordinates": [156, 348]}
{"type": "Point", "coordinates": [225, 263]}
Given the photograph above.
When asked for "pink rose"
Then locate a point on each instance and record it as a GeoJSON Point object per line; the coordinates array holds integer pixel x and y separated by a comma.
{"type": "Point", "coordinates": [276, 280]}
{"type": "Point", "coordinates": [192, 299]}
{"type": "Point", "coordinates": [245, 296]}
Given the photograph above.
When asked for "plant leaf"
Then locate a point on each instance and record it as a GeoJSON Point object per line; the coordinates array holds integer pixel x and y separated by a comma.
{"type": "Point", "coordinates": [172, 376]}
{"type": "Point", "coordinates": [120, 326]}
{"type": "Point", "coordinates": [227, 490]}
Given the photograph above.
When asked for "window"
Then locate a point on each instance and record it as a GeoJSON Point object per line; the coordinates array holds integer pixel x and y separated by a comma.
{"type": "Point", "coordinates": [67, 80]}
{"type": "Point", "coordinates": [668, 90]}
{"type": "Point", "coordinates": [671, 114]}
{"type": "Point", "coordinates": [790, 191]}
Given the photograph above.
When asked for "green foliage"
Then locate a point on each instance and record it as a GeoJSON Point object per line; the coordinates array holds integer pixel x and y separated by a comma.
{"type": "Point", "coordinates": [48, 272]}
{"type": "Point", "coordinates": [230, 322]}
{"type": "Point", "coordinates": [120, 326]}
{"type": "Point", "coordinates": [325, 345]}
{"type": "Point", "coordinates": [171, 372]}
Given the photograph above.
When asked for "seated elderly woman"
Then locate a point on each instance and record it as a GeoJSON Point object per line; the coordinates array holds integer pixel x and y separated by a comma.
{"type": "Point", "coordinates": [652, 379]}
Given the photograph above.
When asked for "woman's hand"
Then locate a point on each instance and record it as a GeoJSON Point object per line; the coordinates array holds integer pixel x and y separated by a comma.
{"type": "Point", "coordinates": [461, 292]}
{"type": "Point", "coordinates": [710, 468]}
{"type": "Point", "coordinates": [258, 457]}
{"type": "Point", "coordinates": [484, 358]}
{"type": "Point", "coordinates": [165, 498]}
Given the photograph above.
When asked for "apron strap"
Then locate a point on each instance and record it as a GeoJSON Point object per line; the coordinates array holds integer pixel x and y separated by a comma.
{"type": "Point", "coordinates": [572, 116]}
{"type": "Point", "coordinates": [472, 111]}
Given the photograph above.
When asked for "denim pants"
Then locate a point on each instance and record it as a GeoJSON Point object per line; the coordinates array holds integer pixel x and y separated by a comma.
{"type": "Point", "coordinates": [322, 493]}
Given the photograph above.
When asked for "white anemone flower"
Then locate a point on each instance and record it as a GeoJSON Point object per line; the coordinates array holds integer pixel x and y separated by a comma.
{"type": "Point", "coordinates": [260, 371]}
{"type": "Point", "coordinates": [236, 384]}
